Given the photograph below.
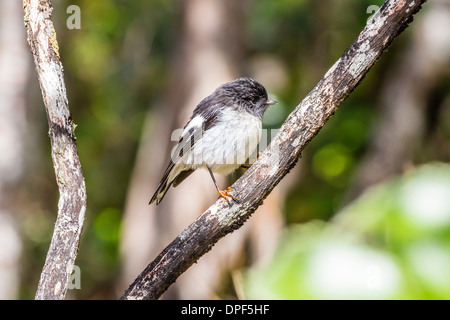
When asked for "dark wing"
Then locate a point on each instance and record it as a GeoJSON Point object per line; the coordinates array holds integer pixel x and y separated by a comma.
{"type": "Point", "coordinates": [209, 109]}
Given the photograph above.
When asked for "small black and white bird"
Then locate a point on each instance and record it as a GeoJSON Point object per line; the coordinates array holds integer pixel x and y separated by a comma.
{"type": "Point", "coordinates": [224, 130]}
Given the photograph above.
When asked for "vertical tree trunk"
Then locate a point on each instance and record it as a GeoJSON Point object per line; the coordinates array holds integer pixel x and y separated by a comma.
{"type": "Point", "coordinates": [69, 177]}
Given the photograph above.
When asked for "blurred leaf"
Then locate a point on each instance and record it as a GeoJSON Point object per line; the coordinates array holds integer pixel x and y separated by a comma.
{"type": "Point", "coordinates": [107, 225]}
{"type": "Point", "coordinates": [331, 161]}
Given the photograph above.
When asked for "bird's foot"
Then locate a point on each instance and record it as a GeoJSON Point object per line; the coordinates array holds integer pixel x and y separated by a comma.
{"type": "Point", "coordinates": [225, 194]}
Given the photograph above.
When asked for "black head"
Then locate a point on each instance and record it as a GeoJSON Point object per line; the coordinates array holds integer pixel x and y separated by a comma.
{"type": "Point", "coordinates": [247, 95]}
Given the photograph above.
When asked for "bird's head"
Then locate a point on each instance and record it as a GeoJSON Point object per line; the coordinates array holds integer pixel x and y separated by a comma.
{"type": "Point", "coordinates": [247, 95]}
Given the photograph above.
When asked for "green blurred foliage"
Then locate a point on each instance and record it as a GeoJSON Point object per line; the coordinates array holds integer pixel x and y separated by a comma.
{"type": "Point", "coordinates": [117, 68]}
{"type": "Point", "coordinates": [391, 243]}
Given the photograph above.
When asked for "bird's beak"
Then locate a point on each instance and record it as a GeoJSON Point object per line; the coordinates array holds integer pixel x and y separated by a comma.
{"type": "Point", "coordinates": [270, 102]}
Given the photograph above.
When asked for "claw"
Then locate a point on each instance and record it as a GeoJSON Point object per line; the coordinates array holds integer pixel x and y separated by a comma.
{"type": "Point", "coordinates": [225, 193]}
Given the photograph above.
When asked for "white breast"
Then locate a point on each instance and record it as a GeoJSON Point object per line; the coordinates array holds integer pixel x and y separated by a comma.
{"type": "Point", "coordinates": [228, 144]}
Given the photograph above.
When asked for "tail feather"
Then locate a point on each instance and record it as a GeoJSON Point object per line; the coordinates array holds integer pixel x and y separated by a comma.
{"type": "Point", "coordinates": [181, 176]}
{"type": "Point", "coordinates": [173, 175]}
{"type": "Point", "coordinates": [161, 192]}
{"type": "Point", "coordinates": [163, 186]}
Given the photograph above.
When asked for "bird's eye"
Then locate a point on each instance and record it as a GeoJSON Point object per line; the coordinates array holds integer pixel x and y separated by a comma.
{"type": "Point", "coordinates": [252, 99]}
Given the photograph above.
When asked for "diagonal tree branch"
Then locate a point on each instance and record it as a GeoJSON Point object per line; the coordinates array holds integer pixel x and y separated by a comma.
{"type": "Point", "coordinates": [281, 155]}
{"type": "Point", "coordinates": [69, 177]}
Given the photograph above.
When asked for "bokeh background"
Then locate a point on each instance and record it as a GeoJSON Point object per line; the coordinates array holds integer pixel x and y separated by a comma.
{"type": "Point", "coordinates": [364, 215]}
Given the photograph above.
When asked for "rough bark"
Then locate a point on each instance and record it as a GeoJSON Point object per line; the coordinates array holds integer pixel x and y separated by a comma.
{"type": "Point", "coordinates": [282, 154]}
{"type": "Point", "coordinates": [69, 177]}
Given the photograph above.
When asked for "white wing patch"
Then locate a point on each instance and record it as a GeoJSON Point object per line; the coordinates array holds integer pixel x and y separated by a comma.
{"type": "Point", "coordinates": [191, 134]}
{"type": "Point", "coordinates": [195, 122]}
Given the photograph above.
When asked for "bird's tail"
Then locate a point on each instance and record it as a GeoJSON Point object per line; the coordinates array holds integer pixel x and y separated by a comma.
{"type": "Point", "coordinates": [164, 185]}
{"type": "Point", "coordinates": [173, 175]}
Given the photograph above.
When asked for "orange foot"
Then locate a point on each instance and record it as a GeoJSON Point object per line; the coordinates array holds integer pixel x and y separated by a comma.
{"type": "Point", "coordinates": [225, 193]}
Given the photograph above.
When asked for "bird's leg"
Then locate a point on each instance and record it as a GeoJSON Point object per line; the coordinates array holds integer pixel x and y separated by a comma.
{"type": "Point", "coordinates": [225, 193]}
{"type": "Point", "coordinates": [247, 166]}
